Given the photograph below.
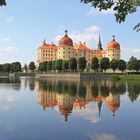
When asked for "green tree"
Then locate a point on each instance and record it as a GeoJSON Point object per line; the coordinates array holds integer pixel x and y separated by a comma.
{"type": "Point", "coordinates": [1, 68]}
{"type": "Point", "coordinates": [121, 8]}
{"type": "Point", "coordinates": [32, 66]}
{"type": "Point", "coordinates": [122, 65]}
{"type": "Point", "coordinates": [65, 65]}
{"type": "Point", "coordinates": [137, 66]}
{"type": "Point", "coordinates": [72, 64]}
{"type": "Point", "coordinates": [49, 65]}
{"type": "Point", "coordinates": [43, 66]}
{"type": "Point", "coordinates": [59, 64]}
{"type": "Point", "coordinates": [82, 63]}
{"type": "Point", "coordinates": [16, 67]}
{"type": "Point", "coordinates": [131, 65]}
{"type": "Point", "coordinates": [104, 63]}
{"type": "Point", "coordinates": [2, 2]}
{"type": "Point", "coordinates": [7, 67]}
{"type": "Point", "coordinates": [53, 65]}
{"type": "Point", "coordinates": [114, 65]}
{"type": "Point", "coordinates": [95, 63]}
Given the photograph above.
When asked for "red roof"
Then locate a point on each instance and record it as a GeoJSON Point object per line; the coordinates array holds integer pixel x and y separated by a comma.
{"type": "Point", "coordinates": [81, 46]}
{"type": "Point", "coordinates": [48, 46]}
{"type": "Point", "coordinates": [113, 44]}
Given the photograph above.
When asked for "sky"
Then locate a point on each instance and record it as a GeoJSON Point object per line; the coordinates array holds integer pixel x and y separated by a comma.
{"type": "Point", "coordinates": [25, 24]}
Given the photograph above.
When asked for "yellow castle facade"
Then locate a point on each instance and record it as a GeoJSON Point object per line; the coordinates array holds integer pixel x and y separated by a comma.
{"type": "Point", "coordinates": [66, 49]}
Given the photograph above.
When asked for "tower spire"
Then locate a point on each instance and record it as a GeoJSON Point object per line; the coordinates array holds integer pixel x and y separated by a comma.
{"type": "Point", "coordinates": [113, 37]}
{"type": "Point", "coordinates": [44, 41]}
{"type": "Point", "coordinates": [99, 44]}
{"type": "Point", "coordinates": [66, 32]}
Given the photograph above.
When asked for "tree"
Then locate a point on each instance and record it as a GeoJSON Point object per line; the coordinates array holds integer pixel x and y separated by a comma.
{"type": "Point", "coordinates": [104, 63]}
{"type": "Point", "coordinates": [7, 67]}
{"type": "Point", "coordinates": [59, 64]}
{"type": "Point", "coordinates": [2, 2]}
{"type": "Point", "coordinates": [114, 65]}
{"type": "Point", "coordinates": [49, 65]}
{"type": "Point", "coordinates": [131, 65]}
{"type": "Point", "coordinates": [95, 63]}
{"type": "Point", "coordinates": [65, 65]}
{"type": "Point", "coordinates": [16, 67]}
{"type": "Point", "coordinates": [137, 66]}
{"type": "Point", "coordinates": [72, 64]}
{"type": "Point", "coordinates": [43, 66]}
{"type": "Point", "coordinates": [121, 8]}
{"type": "Point", "coordinates": [53, 65]}
{"type": "Point", "coordinates": [82, 63]}
{"type": "Point", "coordinates": [1, 68]}
{"type": "Point", "coordinates": [32, 66]}
{"type": "Point", "coordinates": [121, 65]}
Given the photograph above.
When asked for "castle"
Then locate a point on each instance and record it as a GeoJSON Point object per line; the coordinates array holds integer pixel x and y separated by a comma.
{"type": "Point", "coordinates": [66, 49]}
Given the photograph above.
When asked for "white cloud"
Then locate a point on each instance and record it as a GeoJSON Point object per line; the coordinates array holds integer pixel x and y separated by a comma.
{"type": "Point", "coordinates": [10, 19]}
{"type": "Point", "coordinates": [93, 29]}
{"type": "Point", "coordinates": [5, 40]}
{"type": "Point", "coordinates": [104, 137]}
{"type": "Point", "coordinates": [130, 52]}
{"type": "Point", "coordinates": [103, 12]}
{"type": "Point", "coordinates": [7, 51]}
{"type": "Point", "coordinates": [89, 35]}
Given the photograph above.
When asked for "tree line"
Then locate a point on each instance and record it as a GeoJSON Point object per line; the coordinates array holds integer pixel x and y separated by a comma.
{"type": "Point", "coordinates": [73, 65]}
{"type": "Point", "coordinates": [16, 67]}
{"type": "Point", "coordinates": [81, 64]}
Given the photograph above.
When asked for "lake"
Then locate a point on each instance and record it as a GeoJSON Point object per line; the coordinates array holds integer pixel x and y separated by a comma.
{"type": "Point", "coordinates": [70, 109]}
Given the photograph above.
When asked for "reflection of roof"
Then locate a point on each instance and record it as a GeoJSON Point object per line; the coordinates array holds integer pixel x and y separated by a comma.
{"type": "Point", "coordinates": [48, 104]}
{"type": "Point", "coordinates": [77, 103]}
{"type": "Point", "coordinates": [65, 111]}
{"type": "Point", "coordinates": [48, 46]}
{"type": "Point", "coordinates": [112, 106]}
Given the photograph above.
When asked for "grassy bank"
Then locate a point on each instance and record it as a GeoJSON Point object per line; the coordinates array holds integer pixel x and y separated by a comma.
{"type": "Point", "coordinates": [125, 77]}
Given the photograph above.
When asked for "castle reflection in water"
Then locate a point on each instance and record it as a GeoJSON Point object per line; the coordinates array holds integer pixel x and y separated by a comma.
{"type": "Point", "coordinates": [69, 95]}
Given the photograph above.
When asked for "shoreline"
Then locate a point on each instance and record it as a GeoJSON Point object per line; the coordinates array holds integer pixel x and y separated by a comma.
{"type": "Point", "coordinates": [109, 76]}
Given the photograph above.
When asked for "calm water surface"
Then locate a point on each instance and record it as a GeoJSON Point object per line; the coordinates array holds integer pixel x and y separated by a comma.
{"type": "Point", "coordinates": [69, 110]}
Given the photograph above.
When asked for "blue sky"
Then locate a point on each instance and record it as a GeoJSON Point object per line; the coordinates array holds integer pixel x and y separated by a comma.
{"type": "Point", "coordinates": [24, 25]}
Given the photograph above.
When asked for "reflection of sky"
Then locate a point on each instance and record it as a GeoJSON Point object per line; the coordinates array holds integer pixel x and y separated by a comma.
{"type": "Point", "coordinates": [90, 113]}
{"type": "Point", "coordinates": [104, 137]}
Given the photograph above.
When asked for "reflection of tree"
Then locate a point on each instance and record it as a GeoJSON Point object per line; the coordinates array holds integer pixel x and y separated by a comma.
{"type": "Point", "coordinates": [122, 88]}
{"type": "Point", "coordinates": [82, 91]}
{"type": "Point", "coordinates": [133, 91]}
{"type": "Point", "coordinates": [14, 83]}
{"type": "Point", "coordinates": [95, 90]}
{"type": "Point", "coordinates": [59, 87]}
{"type": "Point", "coordinates": [72, 89]}
{"type": "Point", "coordinates": [32, 85]}
{"type": "Point", "coordinates": [118, 88]}
{"type": "Point", "coordinates": [104, 91]}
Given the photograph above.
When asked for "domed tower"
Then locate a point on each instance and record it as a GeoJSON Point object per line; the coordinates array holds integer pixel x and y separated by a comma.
{"type": "Point", "coordinates": [65, 48]}
{"type": "Point", "coordinates": [113, 49]}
